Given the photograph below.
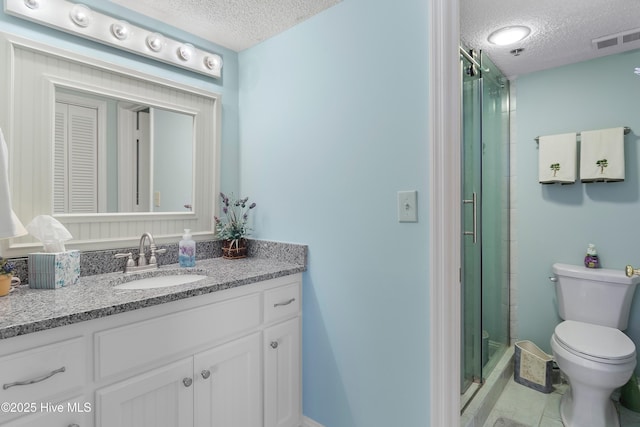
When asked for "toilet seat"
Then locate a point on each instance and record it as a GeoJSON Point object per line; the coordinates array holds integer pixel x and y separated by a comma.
{"type": "Point", "coordinates": [594, 342]}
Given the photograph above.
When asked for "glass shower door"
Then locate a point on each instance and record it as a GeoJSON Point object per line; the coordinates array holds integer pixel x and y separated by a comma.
{"type": "Point", "coordinates": [471, 275]}
{"type": "Point", "coordinates": [485, 220]}
{"type": "Point", "coordinates": [495, 214]}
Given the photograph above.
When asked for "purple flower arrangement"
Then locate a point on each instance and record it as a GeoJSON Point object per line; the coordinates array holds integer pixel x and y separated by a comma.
{"type": "Point", "coordinates": [233, 225]}
{"type": "Point", "coordinates": [6, 267]}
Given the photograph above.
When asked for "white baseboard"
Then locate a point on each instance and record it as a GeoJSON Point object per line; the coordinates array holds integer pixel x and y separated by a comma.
{"type": "Point", "coordinates": [308, 422]}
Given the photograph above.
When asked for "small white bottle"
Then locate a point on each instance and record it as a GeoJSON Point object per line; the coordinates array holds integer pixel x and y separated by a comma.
{"type": "Point", "coordinates": [187, 250]}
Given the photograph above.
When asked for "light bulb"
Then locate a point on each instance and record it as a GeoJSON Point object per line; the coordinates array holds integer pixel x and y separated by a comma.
{"type": "Point", "coordinates": [213, 62]}
{"type": "Point", "coordinates": [81, 15]}
{"type": "Point", "coordinates": [185, 52]}
{"type": "Point", "coordinates": [32, 4]}
{"type": "Point", "coordinates": [155, 42]}
{"type": "Point", "coordinates": [120, 30]}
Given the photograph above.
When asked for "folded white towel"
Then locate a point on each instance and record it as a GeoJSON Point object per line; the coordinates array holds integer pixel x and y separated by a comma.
{"type": "Point", "coordinates": [557, 159]}
{"type": "Point", "coordinates": [602, 155]}
{"type": "Point", "coordinates": [10, 225]}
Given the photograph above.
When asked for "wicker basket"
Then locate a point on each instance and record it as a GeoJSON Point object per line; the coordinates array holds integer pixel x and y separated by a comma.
{"type": "Point", "coordinates": [234, 249]}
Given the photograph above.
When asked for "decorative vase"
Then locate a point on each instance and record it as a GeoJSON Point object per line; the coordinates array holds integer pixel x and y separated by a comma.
{"type": "Point", "coordinates": [234, 249]}
{"type": "Point", "coordinates": [5, 284]}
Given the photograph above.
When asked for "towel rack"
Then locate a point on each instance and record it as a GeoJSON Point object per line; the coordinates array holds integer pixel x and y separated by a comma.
{"type": "Point", "coordinates": [627, 130]}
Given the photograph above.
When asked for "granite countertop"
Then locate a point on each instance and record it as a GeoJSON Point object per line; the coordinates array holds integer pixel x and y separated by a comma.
{"type": "Point", "coordinates": [27, 310]}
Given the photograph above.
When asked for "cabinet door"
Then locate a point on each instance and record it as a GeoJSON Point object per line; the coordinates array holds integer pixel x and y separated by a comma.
{"type": "Point", "coordinates": [227, 385]}
{"type": "Point", "coordinates": [282, 403]}
{"type": "Point", "coordinates": [162, 397]}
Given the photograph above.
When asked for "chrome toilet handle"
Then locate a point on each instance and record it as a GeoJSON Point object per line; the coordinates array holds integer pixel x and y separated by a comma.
{"type": "Point", "coordinates": [630, 271]}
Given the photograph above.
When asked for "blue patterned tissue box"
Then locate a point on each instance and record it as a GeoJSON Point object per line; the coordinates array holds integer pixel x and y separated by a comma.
{"type": "Point", "coordinates": [53, 270]}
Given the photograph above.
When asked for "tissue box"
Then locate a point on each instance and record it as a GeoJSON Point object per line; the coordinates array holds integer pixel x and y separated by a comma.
{"type": "Point", "coordinates": [53, 270]}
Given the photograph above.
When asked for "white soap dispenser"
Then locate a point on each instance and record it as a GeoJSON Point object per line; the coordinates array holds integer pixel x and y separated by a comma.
{"type": "Point", "coordinates": [187, 250]}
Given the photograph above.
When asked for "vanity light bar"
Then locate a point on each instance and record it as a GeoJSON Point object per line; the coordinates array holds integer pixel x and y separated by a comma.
{"type": "Point", "coordinates": [80, 20]}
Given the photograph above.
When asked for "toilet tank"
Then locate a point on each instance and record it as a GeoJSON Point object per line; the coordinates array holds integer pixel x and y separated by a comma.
{"type": "Point", "coordinates": [594, 295]}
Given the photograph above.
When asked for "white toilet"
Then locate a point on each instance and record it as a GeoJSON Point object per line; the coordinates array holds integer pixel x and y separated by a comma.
{"type": "Point", "coordinates": [588, 345]}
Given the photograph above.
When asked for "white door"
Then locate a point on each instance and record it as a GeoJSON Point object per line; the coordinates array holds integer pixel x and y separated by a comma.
{"type": "Point", "coordinates": [143, 156]}
{"type": "Point", "coordinates": [76, 159]}
{"type": "Point", "coordinates": [134, 158]}
{"type": "Point", "coordinates": [162, 397]}
{"type": "Point", "coordinates": [228, 385]}
{"type": "Point", "coordinates": [282, 389]}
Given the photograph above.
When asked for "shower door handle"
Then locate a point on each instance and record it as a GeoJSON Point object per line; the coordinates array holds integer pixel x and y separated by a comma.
{"type": "Point", "coordinates": [474, 202]}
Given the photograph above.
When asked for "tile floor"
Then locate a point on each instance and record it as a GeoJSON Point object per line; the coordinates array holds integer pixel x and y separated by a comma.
{"type": "Point", "coordinates": [532, 408]}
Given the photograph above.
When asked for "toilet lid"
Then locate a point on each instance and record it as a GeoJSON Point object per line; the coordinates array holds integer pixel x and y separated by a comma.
{"type": "Point", "coordinates": [594, 340]}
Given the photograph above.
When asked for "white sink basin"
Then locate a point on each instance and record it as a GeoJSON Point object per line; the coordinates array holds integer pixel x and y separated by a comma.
{"type": "Point", "coordinates": [160, 281]}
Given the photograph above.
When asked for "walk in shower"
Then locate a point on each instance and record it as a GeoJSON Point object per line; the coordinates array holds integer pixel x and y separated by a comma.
{"type": "Point", "coordinates": [485, 218]}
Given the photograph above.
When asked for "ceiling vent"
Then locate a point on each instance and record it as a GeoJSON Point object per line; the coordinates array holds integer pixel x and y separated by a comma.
{"type": "Point", "coordinates": [616, 39]}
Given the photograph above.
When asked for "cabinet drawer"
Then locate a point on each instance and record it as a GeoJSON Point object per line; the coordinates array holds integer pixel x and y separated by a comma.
{"type": "Point", "coordinates": [281, 302]}
{"type": "Point", "coordinates": [76, 412]}
{"type": "Point", "coordinates": [155, 340]}
{"type": "Point", "coordinates": [41, 373]}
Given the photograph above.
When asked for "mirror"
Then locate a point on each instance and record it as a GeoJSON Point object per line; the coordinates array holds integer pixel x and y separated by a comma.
{"type": "Point", "coordinates": [122, 179]}
{"type": "Point", "coordinates": [114, 155]}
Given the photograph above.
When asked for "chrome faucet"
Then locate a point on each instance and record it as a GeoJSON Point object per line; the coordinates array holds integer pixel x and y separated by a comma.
{"type": "Point", "coordinates": [142, 264]}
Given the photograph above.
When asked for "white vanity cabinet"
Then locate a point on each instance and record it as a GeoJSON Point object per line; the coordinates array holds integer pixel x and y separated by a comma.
{"type": "Point", "coordinates": [242, 364]}
{"type": "Point", "coordinates": [230, 358]}
{"type": "Point", "coordinates": [218, 387]}
{"type": "Point", "coordinates": [282, 357]}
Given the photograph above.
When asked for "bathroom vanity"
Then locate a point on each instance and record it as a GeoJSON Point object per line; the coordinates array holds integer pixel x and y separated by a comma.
{"type": "Point", "coordinates": [221, 351]}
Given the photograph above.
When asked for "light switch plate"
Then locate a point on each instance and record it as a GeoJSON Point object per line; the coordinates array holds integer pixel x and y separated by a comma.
{"type": "Point", "coordinates": [408, 206]}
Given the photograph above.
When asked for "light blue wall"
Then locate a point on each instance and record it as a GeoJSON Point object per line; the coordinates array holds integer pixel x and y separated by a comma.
{"type": "Point", "coordinates": [333, 124]}
{"type": "Point", "coordinates": [556, 223]}
{"type": "Point", "coordinates": [227, 86]}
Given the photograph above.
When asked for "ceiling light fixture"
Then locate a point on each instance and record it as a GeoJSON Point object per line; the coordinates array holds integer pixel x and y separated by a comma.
{"type": "Point", "coordinates": [80, 20]}
{"type": "Point", "coordinates": [508, 35]}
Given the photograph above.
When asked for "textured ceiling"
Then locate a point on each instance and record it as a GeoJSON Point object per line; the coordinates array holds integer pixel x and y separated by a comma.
{"type": "Point", "coordinates": [561, 30]}
{"type": "Point", "coordinates": [235, 24]}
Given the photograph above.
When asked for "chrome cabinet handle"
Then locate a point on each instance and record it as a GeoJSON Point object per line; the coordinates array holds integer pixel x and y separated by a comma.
{"type": "Point", "coordinates": [274, 344]}
{"type": "Point", "coordinates": [474, 202]}
{"type": "Point", "coordinates": [34, 380]}
{"type": "Point", "coordinates": [187, 381]}
{"type": "Point", "coordinates": [205, 374]}
{"type": "Point", "coordinates": [278, 304]}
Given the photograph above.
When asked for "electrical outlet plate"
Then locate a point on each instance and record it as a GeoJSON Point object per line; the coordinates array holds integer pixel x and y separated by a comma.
{"type": "Point", "coordinates": [408, 206]}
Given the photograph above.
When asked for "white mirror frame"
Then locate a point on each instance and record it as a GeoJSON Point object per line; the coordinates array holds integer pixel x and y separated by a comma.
{"type": "Point", "coordinates": [27, 120]}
